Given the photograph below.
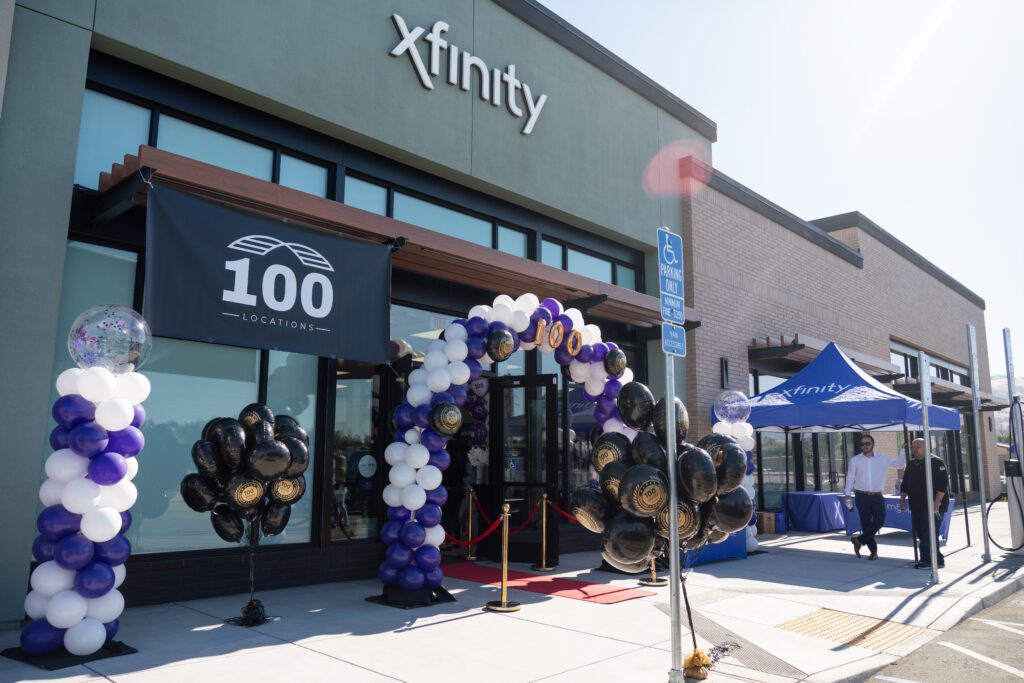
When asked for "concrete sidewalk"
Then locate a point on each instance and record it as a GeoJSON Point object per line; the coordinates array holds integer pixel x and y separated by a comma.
{"type": "Point", "coordinates": [810, 585]}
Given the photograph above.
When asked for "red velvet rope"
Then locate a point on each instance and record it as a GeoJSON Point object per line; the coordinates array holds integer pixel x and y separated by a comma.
{"type": "Point", "coordinates": [480, 509]}
{"type": "Point", "coordinates": [563, 513]}
{"type": "Point", "coordinates": [533, 513]}
{"type": "Point", "coordinates": [473, 541]}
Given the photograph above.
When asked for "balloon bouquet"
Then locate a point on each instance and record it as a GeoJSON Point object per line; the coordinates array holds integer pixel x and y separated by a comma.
{"type": "Point", "coordinates": [248, 470]}
{"type": "Point", "coordinates": [88, 492]}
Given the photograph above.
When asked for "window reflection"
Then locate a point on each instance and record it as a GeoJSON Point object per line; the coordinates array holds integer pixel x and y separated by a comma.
{"type": "Point", "coordinates": [211, 147]}
{"type": "Point", "coordinates": [551, 253]}
{"type": "Point", "coordinates": [110, 128]}
{"type": "Point", "coordinates": [302, 175]}
{"type": "Point", "coordinates": [512, 241]}
{"type": "Point", "coordinates": [366, 196]}
{"type": "Point", "coordinates": [354, 489]}
{"type": "Point", "coordinates": [590, 266]}
{"type": "Point", "coordinates": [442, 219]}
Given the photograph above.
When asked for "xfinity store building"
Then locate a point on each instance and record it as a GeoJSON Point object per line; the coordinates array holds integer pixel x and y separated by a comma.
{"type": "Point", "coordinates": [463, 149]}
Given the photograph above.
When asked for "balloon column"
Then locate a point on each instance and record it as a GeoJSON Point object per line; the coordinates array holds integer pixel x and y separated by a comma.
{"type": "Point", "coordinates": [431, 413]}
{"type": "Point", "coordinates": [732, 408]}
{"type": "Point", "coordinates": [88, 492]}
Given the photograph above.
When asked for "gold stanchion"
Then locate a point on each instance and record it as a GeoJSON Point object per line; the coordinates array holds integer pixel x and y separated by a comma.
{"type": "Point", "coordinates": [469, 526]}
{"type": "Point", "coordinates": [543, 566]}
{"type": "Point", "coordinates": [654, 580]}
{"type": "Point", "coordinates": [503, 605]}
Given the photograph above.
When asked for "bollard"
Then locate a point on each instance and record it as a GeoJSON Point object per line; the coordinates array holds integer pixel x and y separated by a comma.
{"type": "Point", "coordinates": [503, 605]}
{"type": "Point", "coordinates": [543, 566]}
{"type": "Point", "coordinates": [654, 580]}
{"type": "Point", "coordinates": [469, 525]}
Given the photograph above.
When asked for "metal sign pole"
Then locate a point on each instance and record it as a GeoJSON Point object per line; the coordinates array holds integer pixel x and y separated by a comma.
{"type": "Point", "coordinates": [1016, 437]}
{"type": "Point", "coordinates": [972, 350]}
{"type": "Point", "coordinates": [924, 365]}
{"type": "Point", "coordinates": [676, 673]}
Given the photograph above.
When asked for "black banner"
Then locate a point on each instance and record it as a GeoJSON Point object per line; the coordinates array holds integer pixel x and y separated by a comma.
{"type": "Point", "coordinates": [219, 274]}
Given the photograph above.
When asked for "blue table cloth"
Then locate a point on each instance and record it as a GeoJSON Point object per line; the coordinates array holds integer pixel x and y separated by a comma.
{"type": "Point", "coordinates": [734, 547]}
{"type": "Point", "coordinates": [814, 510]}
{"type": "Point", "coordinates": [894, 518]}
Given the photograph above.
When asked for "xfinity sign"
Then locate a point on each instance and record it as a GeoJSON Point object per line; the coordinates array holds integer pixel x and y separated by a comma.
{"type": "Point", "coordinates": [459, 68]}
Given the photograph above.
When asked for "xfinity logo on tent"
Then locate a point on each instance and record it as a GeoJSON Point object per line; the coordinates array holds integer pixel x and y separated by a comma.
{"type": "Point", "coordinates": [802, 390]}
{"type": "Point", "coordinates": [461, 65]}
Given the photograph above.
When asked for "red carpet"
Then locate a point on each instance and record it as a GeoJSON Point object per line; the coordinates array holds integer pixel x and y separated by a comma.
{"type": "Point", "coordinates": [548, 585]}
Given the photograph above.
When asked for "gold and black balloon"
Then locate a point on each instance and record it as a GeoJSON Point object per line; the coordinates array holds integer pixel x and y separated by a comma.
{"type": "Point", "coordinates": [248, 469]}
{"type": "Point", "coordinates": [611, 479]}
{"type": "Point", "coordinates": [636, 404]}
{"type": "Point", "coordinates": [589, 508]}
{"type": "Point", "coordinates": [645, 450]}
{"type": "Point", "coordinates": [643, 491]}
{"type": "Point", "coordinates": [609, 447]}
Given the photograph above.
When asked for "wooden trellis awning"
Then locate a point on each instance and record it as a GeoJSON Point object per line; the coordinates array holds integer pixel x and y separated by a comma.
{"type": "Point", "coordinates": [788, 354]}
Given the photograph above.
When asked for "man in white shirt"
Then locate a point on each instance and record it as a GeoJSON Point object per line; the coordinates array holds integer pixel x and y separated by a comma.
{"type": "Point", "coordinates": [865, 480]}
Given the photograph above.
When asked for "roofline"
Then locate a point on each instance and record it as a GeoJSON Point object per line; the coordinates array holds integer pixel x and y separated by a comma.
{"type": "Point", "coordinates": [585, 47]}
{"type": "Point", "coordinates": [716, 180]}
{"type": "Point", "coordinates": [855, 219]}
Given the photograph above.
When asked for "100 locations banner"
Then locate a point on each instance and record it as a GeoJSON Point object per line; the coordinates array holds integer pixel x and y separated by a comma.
{"type": "Point", "coordinates": [223, 275]}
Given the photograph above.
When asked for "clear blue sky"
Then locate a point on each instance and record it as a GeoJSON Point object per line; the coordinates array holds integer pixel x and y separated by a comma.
{"type": "Point", "coordinates": [911, 112]}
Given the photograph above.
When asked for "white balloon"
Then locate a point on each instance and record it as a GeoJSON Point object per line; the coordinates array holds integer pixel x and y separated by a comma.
{"type": "Point", "coordinates": [133, 468]}
{"type": "Point", "coordinates": [416, 456]}
{"type": "Point", "coordinates": [392, 495]}
{"type": "Point", "coordinates": [64, 465]}
{"type": "Point", "coordinates": [580, 372]}
{"type": "Point", "coordinates": [418, 394]}
{"type": "Point", "coordinates": [480, 311]}
{"type": "Point", "coordinates": [586, 336]}
{"type": "Point", "coordinates": [720, 428]}
{"type": "Point", "coordinates": [413, 434]}
{"type": "Point", "coordinates": [627, 377]}
{"type": "Point", "coordinates": [50, 578]}
{"type": "Point", "coordinates": [107, 607]}
{"type": "Point", "coordinates": [598, 371]}
{"type": "Point", "coordinates": [520, 320]}
{"type": "Point", "coordinates": [435, 536]}
{"type": "Point", "coordinates": [133, 387]}
{"type": "Point", "coordinates": [459, 372]}
{"type": "Point", "coordinates": [527, 303]}
{"type": "Point", "coordinates": [35, 604]}
{"type": "Point", "coordinates": [401, 475]}
{"type": "Point", "coordinates": [102, 524]}
{"type": "Point", "coordinates": [456, 349]}
{"type": "Point", "coordinates": [120, 496]}
{"type": "Point", "coordinates": [613, 425]}
{"type": "Point", "coordinates": [438, 380]}
{"type": "Point", "coordinates": [96, 384]}
{"type": "Point", "coordinates": [85, 637]}
{"type": "Point", "coordinates": [485, 360]}
{"type": "Point", "coordinates": [747, 443]}
{"type": "Point", "coordinates": [629, 432]}
{"type": "Point", "coordinates": [119, 574]}
{"type": "Point", "coordinates": [417, 376]}
{"type": "Point", "coordinates": [752, 543]}
{"type": "Point", "coordinates": [429, 477]}
{"type": "Point", "coordinates": [395, 453]}
{"type": "Point", "coordinates": [114, 414]}
{"type": "Point", "coordinates": [748, 481]}
{"type": "Point", "coordinates": [527, 346]}
{"type": "Point", "coordinates": [436, 345]}
{"type": "Point", "coordinates": [501, 313]}
{"type": "Point", "coordinates": [67, 383]}
{"type": "Point", "coordinates": [66, 609]}
{"type": "Point", "coordinates": [413, 497]}
{"type": "Point", "coordinates": [80, 496]}
{"type": "Point", "coordinates": [576, 317]}
{"type": "Point", "coordinates": [595, 332]}
{"type": "Point", "coordinates": [504, 300]}
{"type": "Point", "coordinates": [434, 360]}
{"type": "Point", "coordinates": [594, 386]}
{"type": "Point", "coordinates": [455, 332]}
{"type": "Point", "coordinates": [742, 429]}
{"type": "Point", "coordinates": [50, 492]}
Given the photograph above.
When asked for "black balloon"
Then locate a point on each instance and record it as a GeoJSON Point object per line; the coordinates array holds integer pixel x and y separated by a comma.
{"type": "Point", "coordinates": [589, 508]}
{"type": "Point", "coordinates": [227, 523]}
{"type": "Point", "coordinates": [258, 433]}
{"type": "Point", "coordinates": [615, 363]}
{"type": "Point", "coordinates": [682, 421]}
{"type": "Point", "coordinates": [643, 491]}
{"type": "Point", "coordinates": [732, 467]}
{"type": "Point", "coordinates": [243, 492]}
{"type": "Point", "coordinates": [628, 539]}
{"type": "Point", "coordinates": [717, 536]}
{"type": "Point", "coordinates": [285, 427]}
{"type": "Point", "coordinates": [446, 418]}
{"type": "Point", "coordinates": [733, 511]}
{"type": "Point", "coordinates": [713, 443]}
{"type": "Point", "coordinates": [205, 434]}
{"type": "Point", "coordinates": [636, 405]}
{"type": "Point", "coordinates": [609, 447]}
{"type": "Point", "coordinates": [256, 412]}
{"type": "Point", "coordinates": [228, 436]}
{"type": "Point", "coordinates": [611, 480]}
{"type": "Point", "coordinates": [628, 567]}
{"type": "Point", "coordinates": [268, 460]}
{"type": "Point", "coordinates": [696, 541]}
{"type": "Point", "coordinates": [299, 456]}
{"type": "Point", "coordinates": [500, 345]}
{"type": "Point", "coordinates": [275, 518]}
{"type": "Point", "coordinates": [645, 450]}
{"type": "Point", "coordinates": [205, 459]}
{"type": "Point", "coordinates": [197, 493]}
{"type": "Point", "coordinates": [697, 479]}
{"type": "Point", "coordinates": [287, 490]}
{"type": "Point", "coordinates": [689, 522]}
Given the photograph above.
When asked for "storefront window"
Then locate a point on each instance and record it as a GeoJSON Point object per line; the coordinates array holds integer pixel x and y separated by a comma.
{"type": "Point", "coordinates": [551, 254]}
{"type": "Point", "coordinates": [512, 241]}
{"type": "Point", "coordinates": [442, 219]}
{"type": "Point", "coordinates": [773, 469]}
{"type": "Point", "coordinates": [366, 196]}
{"type": "Point", "coordinates": [211, 147]}
{"type": "Point", "coordinates": [110, 128]}
{"type": "Point", "coordinates": [625, 276]}
{"type": "Point", "coordinates": [590, 266]}
{"type": "Point", "coordinates": [302, 175]}
{"type": "Point", "coordinates": [418, 327]}
{"type": "Point", "coordinates": [354, 490]}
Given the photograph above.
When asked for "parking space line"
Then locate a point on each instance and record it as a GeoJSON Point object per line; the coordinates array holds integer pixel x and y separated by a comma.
{"type": "Point", "coordinates": [982, 658]}
{"type": "Point", "coordinates": [893, 679]}
{"type": "Point", "coordinates": [1005, 625]}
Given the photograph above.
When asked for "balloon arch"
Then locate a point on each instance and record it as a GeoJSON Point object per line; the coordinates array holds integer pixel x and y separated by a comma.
{"type": "Point", "coordinates": [624, 409]}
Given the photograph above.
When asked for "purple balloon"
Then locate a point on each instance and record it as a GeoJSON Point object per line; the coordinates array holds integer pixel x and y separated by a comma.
{"type": "Point", "coordinates": [421, 415]}
{"type": "Point", "coordinates": [94, 579]}
{"type": "Point", "coordinates": [58, 438]}
{"type": "Point", "coordinates": [438, 496]}
{"type": "Point", "coordinates": [515, 340]}
{"type": "Point", "coordinates": [553, 306]}
{"type": "Point", "coordinates": [542, 314]}
{"type": "Point", "coordinates": [397, 555]}
{"type": "Point", "coordinates": [40, 638]}
{"type": "Point", "coordinates": [589, 398]}
{"type": "Point", "coordinates": [612, 346]}
{"type": "Point", "coordinates": [475, 370]}
{"type": "Point", "coordinates": [399, 514]}
{"type": "Point", "coordinates": [529, 335]}
{"type": "Point", "coordinates": [495, 326]}
{"type": "Point", "coordinates": [586, 354]}
{"type": "Point", "coordinates": [476, 326]}
{"type": "Point", "coordinates": [600, 351]}
{"type": "Point", "coordinates": [126, 521]}
{"type": "Point", "coordinates": [478, 411]}
{"type": "Point", "coordinates": [387, 574]}
{"type": "Point", "coordinates": [412, 535]}
{"type": "Point", "coordinates": [115, 551]}
{"type": "Point", "coordinates": [566, 322]}
{"type": "Point", "coordinates": [605, 405]}
{"type": "Point", "coordinates": [107, 468]}
{"type": "Point", "coordinates": [74, 551]}
{"type": "Point", "coordinates": [72, 410]}
{"type": "Point", "coordinates": [432, 440]}
{"type": "Point", "coordinates": [443, 397]}
{"type": "Point", "coordinates": [480, 435]}
{"type": "Point", "coordinates": [433, 578]}
{"type": "Point", "coordinates": [55, 522]}
{"type": "Point", "coordinates": [140, 416]}
{"type": "Point", "coordinates": [477, 347]}
{"type": "Point", "coordinates": [87, 439]}
{"type": "Point", "coordinates": [411, 578]}
{"type": "Point", "coordinates": [750, 467]}
{"type": "Point", "coordinates": [43, 549]}
{"type": "Point", "coordinates": [128, 441]}
{"type": "Point", "coordinates": [602, 414]}
{"type": "Point", "coordinates": [427, 557]}
{"type": "Point", "coordinates": [459, 392]}
{"type": "Point", "coordinates": [111, 628]}
{"type": "Point", "coordinates": [389, 532]}
{"type": "Point", "coordinates": [562, 355]}
{"type": "Point", "coordinates": [400, 434]}
{"type": "Point", "coordinates": [612, 388]}
{"type": "Point", "coordinates": [429, 515]}
{"type": "Point", "coordinates": [404, 415]}
{"type": "Point", "coordinates": [440, 459]}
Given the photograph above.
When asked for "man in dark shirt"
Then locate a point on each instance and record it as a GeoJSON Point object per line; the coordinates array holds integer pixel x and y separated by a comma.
{"type": "Point", "coordinates": [921, 504]}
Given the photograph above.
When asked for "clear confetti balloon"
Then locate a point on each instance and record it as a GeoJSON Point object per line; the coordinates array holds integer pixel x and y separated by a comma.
{"type": "Point", "coordinates": [110, 336]}
{"type": "Point", "coordinates": [732, 406]}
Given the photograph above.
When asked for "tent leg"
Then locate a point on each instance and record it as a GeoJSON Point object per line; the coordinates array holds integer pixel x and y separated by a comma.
{"type": "Point", "coordinates": [785, 495]}
{"type": "Point", "coordinates": [906, 456]}
{"type": "Point", "coordinates": [963, 484]}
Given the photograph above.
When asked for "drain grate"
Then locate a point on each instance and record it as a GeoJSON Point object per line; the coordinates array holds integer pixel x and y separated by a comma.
{"type": "Point", "coordinates": [851, 629]}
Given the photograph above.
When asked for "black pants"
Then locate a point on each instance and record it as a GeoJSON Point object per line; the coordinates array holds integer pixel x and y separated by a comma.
{"type": "Point", "coordinates": [872, 516]}
{"type": "Point", "coordinates": [919, 520]}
